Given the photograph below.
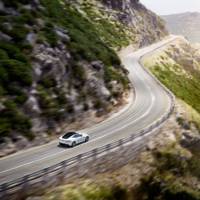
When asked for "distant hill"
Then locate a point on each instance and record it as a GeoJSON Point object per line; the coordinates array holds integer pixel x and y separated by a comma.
{"type": "Point", "coordinates": [186, 24]}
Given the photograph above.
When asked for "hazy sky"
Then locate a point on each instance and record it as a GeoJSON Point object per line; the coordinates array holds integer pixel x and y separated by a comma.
{"type": "Point", "coordinates": [163, 7]}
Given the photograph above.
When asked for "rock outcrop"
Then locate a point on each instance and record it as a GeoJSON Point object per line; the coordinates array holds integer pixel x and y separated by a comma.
{"type": "Point", "coordinates": [147, 26]}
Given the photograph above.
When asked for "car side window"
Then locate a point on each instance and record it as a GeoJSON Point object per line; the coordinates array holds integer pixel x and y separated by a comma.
{"type": "Point", "coordinates": [76, 136]}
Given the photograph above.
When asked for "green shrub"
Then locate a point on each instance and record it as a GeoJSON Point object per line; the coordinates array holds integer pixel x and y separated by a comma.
{"type": "Point", "coordinates": [78, 73]}
{"type": "Point", "coordinates": [98, 104]}
{"type": "Point", "coordinates": [111, 74]}
{"type": "Point", "coordinates": [26, 17]}
{"type": "Point", "coordinates": [21, 99]}
{"type": "Point", "coordinates": [18, 32]}
{"type": "Point", "coordinates": [167, 182]}
{"type": "Point", "coordinates": [17, 71]}
{"type": "Point", "coordinates": [50, 35]}
{"type": "Point", "coordinates": [194, 166]}
{"type": "Point", "coordinates": [45, 100]}
{"type": "Point", "coordinates": [50, 106]}
{"type": "Point", "coordinates": [10, 3]}
{"type": "Point", "coordinates": [14, 52]}
{"type": "Point", "coordinates": [3, 75]}
{"type": "Point", "coordinates": [48, 82]}
{"type": "Point", "coordinates": [14, 3]}
{"type": "Point", "coordinates": [62, 100]}
{"type": "Point", "coordinates": [177, 191]}
{"type": "Point", "coordinates": [2, 91]}
{"type": "Point", "coordinates": [171, 162]}
{"type": "Point", "coordinates": [157, 186]}
{"type": "Point", "coordinates": [3, 54]}
{"type": "Point", "coordinates": [11, 119]}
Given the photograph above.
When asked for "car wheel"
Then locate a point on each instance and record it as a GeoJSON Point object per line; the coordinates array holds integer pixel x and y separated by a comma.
{"type": "Point", "coordinates": [87, 139]}
{"type": "Point", "coordinates": [73, 144]}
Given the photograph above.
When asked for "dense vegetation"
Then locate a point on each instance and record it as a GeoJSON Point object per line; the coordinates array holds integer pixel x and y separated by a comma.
{"type": "Point", "coordinates": [87, 42]}
{"type": "Point", "coordinates": [15, 73]}
{"type": "Point", "coordinates": [88, 191]}
{"type": "Point", "coordinates": [175, 177]}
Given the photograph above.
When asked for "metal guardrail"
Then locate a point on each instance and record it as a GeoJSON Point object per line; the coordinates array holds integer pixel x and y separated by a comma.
{"type": "Point", "coordinates": [43, 176]}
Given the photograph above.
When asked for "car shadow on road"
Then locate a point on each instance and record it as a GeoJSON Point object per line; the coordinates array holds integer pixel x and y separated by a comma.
{"type": "Point", "coordinates": [68, 147]}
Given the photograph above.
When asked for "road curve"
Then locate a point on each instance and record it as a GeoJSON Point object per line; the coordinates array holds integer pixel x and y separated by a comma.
{"type": "Point", "coordinates": [151, 102]}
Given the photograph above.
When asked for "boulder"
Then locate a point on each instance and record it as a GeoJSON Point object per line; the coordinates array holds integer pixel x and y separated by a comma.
{"type": "Point", "coordinates": [2, 107]}
{"type": "Point", "coordinates": [37, 70]}
{"type": "Point", "coordinates": [98, 65]}
{"type": "Point", "coordinates": [31, 106]}
{"type": "Point", "coordinates": [31, 38]}
{"type": "Point", "coordinates": [92, 83]}
{"type": "Point", "coordinates": [38, 125]}
{"type": "Point", "coordinates": [2, 8]}
{"type": "Point", "coordinates": [189, 140]}
{"type": "Point", "coordinates": [35, 3]}
{"type": "Point", "coordinates": [5, 37]}
{"type": "Point", "coordinates": [62, 34]}
{"type": "Point", "coordinates": [104, 91]}
{"type": "Point", "coordinates": [20, 141]}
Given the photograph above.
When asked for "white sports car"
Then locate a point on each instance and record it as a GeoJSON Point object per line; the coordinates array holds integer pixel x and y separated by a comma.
{"type": "Point", "coordinates": [72, 139]}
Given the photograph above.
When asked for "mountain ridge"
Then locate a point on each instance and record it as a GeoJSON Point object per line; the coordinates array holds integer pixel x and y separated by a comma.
{"type": "Point", "coordinates": [186, 24]}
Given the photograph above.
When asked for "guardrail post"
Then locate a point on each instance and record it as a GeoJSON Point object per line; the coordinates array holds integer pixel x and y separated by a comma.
{"type": "Point", "coordinates": [25, 182]}
{"type": "Point", "coordinates": [61, 174]}
{"type": "Point", "coordinates": [45, 177]}
{"type": "Point", "coordinates": [120, 144]}
{"type": "Point", "coordinates": [132, 137]}
{"type": "Point", "coordinates": [108, 158]}
{"type": "Point", "coordinates": [94, 154]}
{"type": "Point", "coordinates": [94, 165]}
{"type": "Point", "coordinates": [108, 146]}
{"type": "Point", "coordinates": [23, 192]}
{"type": "Point", "coordinates": [3, 192]}
{"type": "Point", "coordinates": [79, 160]}
{"type": "Point", "coordinates": [142, 133]}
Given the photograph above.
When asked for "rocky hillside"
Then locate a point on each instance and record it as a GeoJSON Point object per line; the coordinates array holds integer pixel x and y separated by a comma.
{"type": "Point", "coordinates": [186, 24]}
{"type": "Point", "coordinates": [58, 62]}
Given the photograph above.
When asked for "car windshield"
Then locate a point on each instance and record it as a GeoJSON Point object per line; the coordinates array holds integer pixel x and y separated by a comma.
{"type": "Point", "coordinates": [67, 135]}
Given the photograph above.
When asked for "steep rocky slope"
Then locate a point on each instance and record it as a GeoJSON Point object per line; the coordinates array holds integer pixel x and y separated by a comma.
{"type": "Point", "coordinates": [186, 24]}
{"type": "Point", "coordinates": [58, 63]}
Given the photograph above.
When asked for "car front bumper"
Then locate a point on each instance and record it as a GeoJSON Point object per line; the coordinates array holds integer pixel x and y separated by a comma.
{"type": "Point", "coordinates": [65, 143]}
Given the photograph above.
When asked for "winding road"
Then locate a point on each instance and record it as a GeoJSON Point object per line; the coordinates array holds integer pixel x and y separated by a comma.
{"type": "Point", "coordinates": [150, 103]}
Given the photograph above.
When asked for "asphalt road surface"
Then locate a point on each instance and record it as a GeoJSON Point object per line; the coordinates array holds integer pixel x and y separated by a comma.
{"type": "Point", "coordinates": [149, 104]}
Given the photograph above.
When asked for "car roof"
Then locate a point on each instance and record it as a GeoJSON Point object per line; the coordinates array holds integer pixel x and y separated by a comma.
{"type": "Point", "coordinates": [69, 134]}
